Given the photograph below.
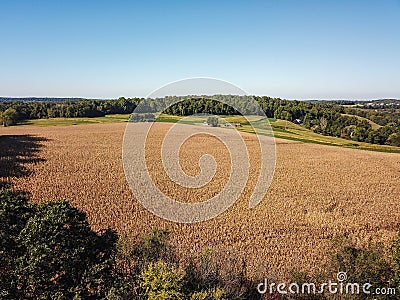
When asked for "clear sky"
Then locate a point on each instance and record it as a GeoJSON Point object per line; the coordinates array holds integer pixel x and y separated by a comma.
{"type": "Point", "coordinates": [322, 49]}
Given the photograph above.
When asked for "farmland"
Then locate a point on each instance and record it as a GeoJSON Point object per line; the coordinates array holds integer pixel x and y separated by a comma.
{"type": "Point", "coordinates": [285, 130]}
{"type": "Point", "coordinates": [318, 193]}
{"type": "Point", "coordinates": [281, 128]}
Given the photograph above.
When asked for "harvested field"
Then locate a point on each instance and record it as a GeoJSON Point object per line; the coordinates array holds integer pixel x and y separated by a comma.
{"type": "Point", "coordinates": [318, 192]}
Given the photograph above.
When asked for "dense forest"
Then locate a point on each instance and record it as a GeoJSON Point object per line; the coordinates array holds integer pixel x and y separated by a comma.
{"type": "Point", "coordinates": [333, 119]}
{"type": "Point", "coordinates": [27, 110]}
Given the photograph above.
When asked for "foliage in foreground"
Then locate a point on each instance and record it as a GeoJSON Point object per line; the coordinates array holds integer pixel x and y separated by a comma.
{"type": "Point", "coordinates": [161, 281]}
{"type": "Point", "coordinates": [48, 251]}
{"type": "Point", "coordinates": [366, 264]}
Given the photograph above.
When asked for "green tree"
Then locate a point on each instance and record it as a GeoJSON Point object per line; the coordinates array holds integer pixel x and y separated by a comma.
{"type": "Point", "coordinates": [63, 256]}
{"type": "Point", "coordinates": [369, 264]}
{"type": "Point", "coordinates": [9, 117]}
{"type": "Point", "coordinates": [212, 121]}
{"type": "Point", "coordinates": [14, 213]}
{"type": "Point", "coordinates": [49, 251]}
{"type": "Point", "coordinates": [394, 139]}
{"type": "Point", "coordinates": [161, 281]}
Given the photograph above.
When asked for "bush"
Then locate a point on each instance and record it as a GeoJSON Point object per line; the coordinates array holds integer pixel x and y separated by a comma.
{"type": "Point", "coordinates": [212, 121]}
{"type": "Point", "coordinates": [395, 254]}
{"type": "Point", "coordinates": [161, 281]}
{"type": "Point", "coordinates": [369, 264]}
{"type": "Point", "coordinates": [153, 247]}
{"type": "Point", "coordinates": [208, 273]}
{"type": "Point", "coordinates": [216, 294]}
{"type": "Point", "coordinates": [8, 117]}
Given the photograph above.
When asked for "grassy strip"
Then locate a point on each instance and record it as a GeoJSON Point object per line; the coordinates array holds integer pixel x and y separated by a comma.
{"type": "Point", "coordinates": [281, 128]}
{"type": "Point", "coordinates": [284, 130]}
{"type": "Point", "coordinates": [75, 121]}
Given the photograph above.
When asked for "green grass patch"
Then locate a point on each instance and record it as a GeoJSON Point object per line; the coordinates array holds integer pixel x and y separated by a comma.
{"type": "Point", "coordinates": [281, 128]}
{"type": "Point", "coordinates": [117, 118]}
{"type": "Point", "coordinates": [374, 126]}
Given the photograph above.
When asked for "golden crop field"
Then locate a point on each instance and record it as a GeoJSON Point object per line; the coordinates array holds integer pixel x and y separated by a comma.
{"type": "Point", "coordinates": [318, 193]}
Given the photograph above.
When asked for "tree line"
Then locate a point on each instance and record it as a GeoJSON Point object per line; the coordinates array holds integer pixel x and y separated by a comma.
{"type": "Point", "coordinates": [324, 118]}
{"type": "Point", "coordinates": [338, 120]}
{"type": "Point", "coordinates": [70, 109]}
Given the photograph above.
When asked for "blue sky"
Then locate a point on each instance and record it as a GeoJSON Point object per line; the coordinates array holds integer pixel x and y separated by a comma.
{"type": "Point", "coordinates": [305, 49]}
